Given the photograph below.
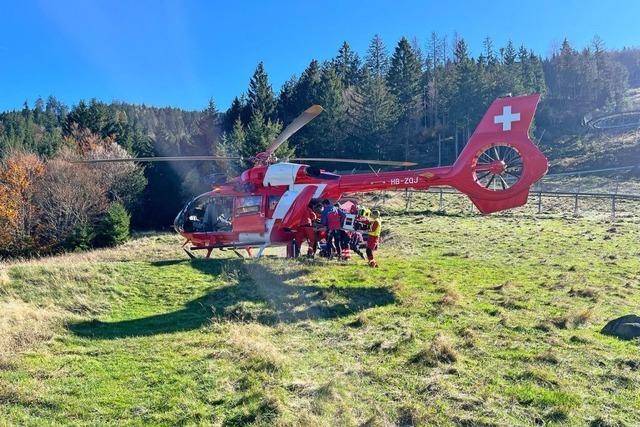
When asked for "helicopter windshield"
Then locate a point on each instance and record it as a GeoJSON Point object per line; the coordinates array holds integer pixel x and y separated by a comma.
{"type": "Point", "coordinates": [207, 214]}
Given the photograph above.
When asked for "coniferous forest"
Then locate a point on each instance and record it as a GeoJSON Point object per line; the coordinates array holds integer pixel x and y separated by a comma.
{"type": "Point", "coordinates": [417, 99]}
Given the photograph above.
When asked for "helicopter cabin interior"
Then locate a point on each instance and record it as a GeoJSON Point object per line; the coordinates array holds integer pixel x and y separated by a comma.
{"type": "Point", "coordinates": [224, 214]}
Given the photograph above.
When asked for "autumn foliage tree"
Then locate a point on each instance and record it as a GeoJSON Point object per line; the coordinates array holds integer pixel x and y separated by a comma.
{"type": "Point", "coordinates": [58, 204]}
{"type": "Point", "coordinates": [19, 175]}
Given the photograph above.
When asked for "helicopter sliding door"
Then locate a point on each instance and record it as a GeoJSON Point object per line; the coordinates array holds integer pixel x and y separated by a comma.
{"type": "Point", "coordinates": [249, 214]}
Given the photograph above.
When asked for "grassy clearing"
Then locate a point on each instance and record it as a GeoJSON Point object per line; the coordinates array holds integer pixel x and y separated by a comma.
{"type": "Point", "coordinates": [468, 321]}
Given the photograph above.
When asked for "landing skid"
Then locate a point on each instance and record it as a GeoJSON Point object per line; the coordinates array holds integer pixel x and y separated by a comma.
{"type": "Point", "coordinates": [188, 252]}
{"type": "Point", "coordinates": [234, 250]}
{"type": "Point", "coordinates": [261, 250]}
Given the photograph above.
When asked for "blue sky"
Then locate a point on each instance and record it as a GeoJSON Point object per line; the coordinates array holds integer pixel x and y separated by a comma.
{"type": "Point", "coordinates": [173, 53]}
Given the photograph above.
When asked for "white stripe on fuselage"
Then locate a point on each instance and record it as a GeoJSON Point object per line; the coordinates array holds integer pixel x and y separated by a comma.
{"type": "Point", "coordinates": [285, 174]}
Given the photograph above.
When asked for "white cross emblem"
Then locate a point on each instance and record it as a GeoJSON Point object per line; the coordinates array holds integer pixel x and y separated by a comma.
{"type": "Point", "coordinates": [506, 118]}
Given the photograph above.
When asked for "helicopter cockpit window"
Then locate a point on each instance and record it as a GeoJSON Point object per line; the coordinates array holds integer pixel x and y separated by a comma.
{"type": "Point", "coordinates": [206, 214]}
{"type": "Point", "coordinates": [248, 205]}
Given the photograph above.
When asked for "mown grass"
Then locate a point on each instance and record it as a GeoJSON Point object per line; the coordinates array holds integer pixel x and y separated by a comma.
{"type": "Point", "coordinates": [468, 321]}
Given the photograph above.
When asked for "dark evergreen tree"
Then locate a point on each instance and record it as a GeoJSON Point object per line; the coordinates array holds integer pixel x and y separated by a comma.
{"type": "Point", "coordinates": [260, 96]}
{"type": "Point", "coordinates": [234, 113]}
{"type": "Point", "coordinates": [467, 103]}
{"type": "Point", "coordinates": [377, 59]}
{"type": "Point", "coordinates": [113, 228]}
{"type": "Point", "coordinates": [376, 117]}
{"type": "Point", "coordinates": [347, 65]}
{"type": "Point", "coordinates": [405, 75]}
{"type": "Point", "coordinates": [404, 79]}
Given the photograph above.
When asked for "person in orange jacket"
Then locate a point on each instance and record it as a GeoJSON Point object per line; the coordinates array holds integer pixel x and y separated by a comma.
{"type": "Point", "coordinates": [373, 236]}
{"type": "Point", "coordinates": [306, 232]}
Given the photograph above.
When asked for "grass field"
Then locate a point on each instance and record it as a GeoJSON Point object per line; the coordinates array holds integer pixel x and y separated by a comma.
{"type": "Point", "coordinates": [469, 321]}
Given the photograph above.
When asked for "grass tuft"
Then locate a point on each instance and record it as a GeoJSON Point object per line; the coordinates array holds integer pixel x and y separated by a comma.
{"type": "Point", "coordinates": [23, 326]}
{"type": "Point", "coordinates": [451, 297]}
{"type": "Point", "coordinates": [4, 277]}
{"type": "Point", "coordinates": [548, 356]}
{"type": "Point", "coordinates": [574, 319]}
{"type": "Point", "coordinates": [252, 346]}
{"type": "Point", "coordinates": [440, 350]}
{"type": "Point", "coordinates": [361, 320]}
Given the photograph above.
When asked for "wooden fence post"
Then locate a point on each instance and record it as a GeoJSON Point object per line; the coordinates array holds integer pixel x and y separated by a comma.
{"type": "Point", "coordinates": [613, 207]}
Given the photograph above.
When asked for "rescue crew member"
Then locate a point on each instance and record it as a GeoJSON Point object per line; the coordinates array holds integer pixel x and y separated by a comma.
{"type": "Point", "coordinates": [355, 241]}
{"type": "Point", "coordinates": [306, 232]}
{"type": "Point", "coordinates": [326, 208]}
{"type": "Point", "coordinates": [374, 235]}
{"type": "Point", "coordinates": [334, 230]}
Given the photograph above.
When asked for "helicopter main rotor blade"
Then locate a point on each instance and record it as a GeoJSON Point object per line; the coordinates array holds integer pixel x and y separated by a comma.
{"type": "Point", "coordinates": [300, 121]}
{"type": "Point", "coordinates": [369, 162]}
{"type": "Point", "coordinates": [157, 159]}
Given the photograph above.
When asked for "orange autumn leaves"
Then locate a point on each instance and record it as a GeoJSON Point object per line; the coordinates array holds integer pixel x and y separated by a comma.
{"type": "Point", "coordinates": [18, 177]}
{"type": "Point", "coordinates": [45, 203]}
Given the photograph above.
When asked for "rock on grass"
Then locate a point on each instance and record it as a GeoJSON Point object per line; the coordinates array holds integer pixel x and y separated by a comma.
{"type": "Point", "coordinates": [625, 327]}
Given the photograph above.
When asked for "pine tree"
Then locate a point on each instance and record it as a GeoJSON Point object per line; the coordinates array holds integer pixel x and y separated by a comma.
{"type": "Point", "coordinates": [234, 113]}
{"type": "Point", "coordinates": [376, 117]}
{"type": "Point", "coordinates": [298, 97]}
{"type": "Point", "coordinates": [307, 89]}
{"type": "Point", "coordinates": [347, 65]}
{"type": "Point", "coordinates": [508, 54]}
{"type": "Point", "coordinates": [377, 59]}
{"type": "Point", "coordinates": [286, 101]}
{"type": "Point", "coordinates": [327, 132]}
{"type": "Point", "coordinates": [205, 136]}
{"type": "Point", "coordinates": [405, 75]}
{"type": "Point", "coordinates": [113, 227]}
{"type": "Point", "coordinates": [489, 53]}
{"type": "Point", "coordinates": [259, 133]}
{"type": "Point", "coordinates": [260, 96]}
{"type": "Point", "coordinates": [404, 79]}
{"type": "Point", "coordinates": [466, 105]}
{"type": "Point", "coordinates": [509, 76]}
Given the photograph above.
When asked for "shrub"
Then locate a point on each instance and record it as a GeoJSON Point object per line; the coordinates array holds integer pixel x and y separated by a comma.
{"type": "Point", "coordinates": [113, 227]}
{"type": "Point", "coordinates": [79, 239]}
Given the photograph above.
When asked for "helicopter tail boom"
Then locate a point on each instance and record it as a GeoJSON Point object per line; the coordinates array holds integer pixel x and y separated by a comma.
{"type": "Point", "coordinates": [496, 168]}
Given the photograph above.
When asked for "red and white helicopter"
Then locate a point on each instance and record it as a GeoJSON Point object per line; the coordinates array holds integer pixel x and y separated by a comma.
{"type": "Point", "coordinates": [265, 204]}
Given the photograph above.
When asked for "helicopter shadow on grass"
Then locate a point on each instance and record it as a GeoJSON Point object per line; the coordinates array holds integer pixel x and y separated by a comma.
{"type": "Point", "coordinates": [259, 295]}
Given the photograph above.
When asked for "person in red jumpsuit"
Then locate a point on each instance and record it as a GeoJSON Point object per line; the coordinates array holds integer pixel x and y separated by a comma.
{"type": "Point", "coordinates": [306, 232]}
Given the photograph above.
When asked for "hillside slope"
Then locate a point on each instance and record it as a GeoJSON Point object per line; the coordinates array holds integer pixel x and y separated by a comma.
{"type": "Point", "coordinates": [571, 148]}
{"type": "Point", "coordinates": [469, 321]}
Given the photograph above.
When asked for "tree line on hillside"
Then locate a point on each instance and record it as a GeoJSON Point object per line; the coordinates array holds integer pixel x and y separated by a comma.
{"type": "Point", "coordinates": [415, 101]}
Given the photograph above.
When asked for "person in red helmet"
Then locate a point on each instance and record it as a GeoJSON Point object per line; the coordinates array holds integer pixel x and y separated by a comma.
{"type": "Point", "coordinates": [306, 232]}
{"type": "Point", "coordinates": [373, 236]}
